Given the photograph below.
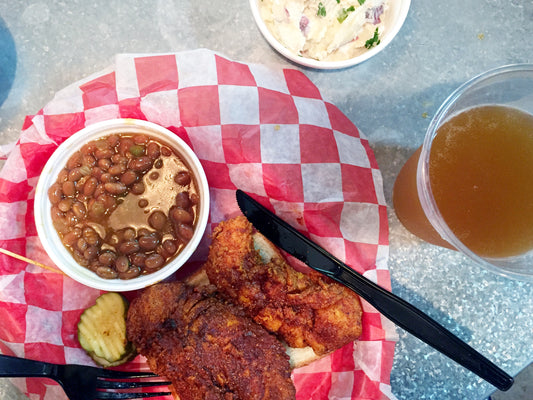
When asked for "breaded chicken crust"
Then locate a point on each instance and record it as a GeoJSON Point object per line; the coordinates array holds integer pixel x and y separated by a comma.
{"type": "Point", "coordinates": [207, 348]}
{"type": "Point", "coordinates": [303, 309]}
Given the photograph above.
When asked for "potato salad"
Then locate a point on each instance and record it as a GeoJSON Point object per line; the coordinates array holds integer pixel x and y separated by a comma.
{"type": "Point", "coordinates": [326, 30]}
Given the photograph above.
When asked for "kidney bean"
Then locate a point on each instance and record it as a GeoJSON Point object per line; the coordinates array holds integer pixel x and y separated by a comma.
{"type": "Point", "coordinates": [69, 189]}
{"type": "Point", "coordinates": [128, 178]}
{"type": "Point", "coordinates": [107, 177]}
{"type": "Point", "coordinates": [80, 183]}
{"type": "Point", "coordinates": [108, 201]}
{"type": "Point", "coordinates": [96, 210]}
{"type": "Point", "coordinates": [138, 188]}
{"type": "Point", "coordinates": [161, 251]}
{"type": "Point", "coordinates": [91, 236]}
{"type": "Point", "coordinates": [185, 231]}
{"type": "Point", "coordinates": [100, 190]}
{"type": "Point", "coordinates": [72, 237]}
{"type": "Point", "coordinates": [154, 261]}
{"type": "Point", "coordinates": [65, 204]}
{"type": "Point", "coordinates": [132, 272]}
{"type": "Point", "coordinates": [154, 175]}
{"type": "Point", "coordinates": [195, 199]}
{"type": "Point", "coordinates": [112, 140]}
{"type": "Point", "coordinates": [141, 139]}
{"type": "Point", "coordinates": [79, 210]}
{"type": "Point", "coordinates": [144, 231]}
{"type": "Point", "coordinates": [71, 219]}
{"type": "Point", "coordinates": [118, 158]}
{"type": "Point", "coordinates": [104, 163]}
{"type": "Point", "coordinates": [115, 187]}
{"type": "Point", "coordinates": [55, 193]}
{"type": "Point", "coordinates": [179, 215]}
{"type": "Point", "coordinates": [153, 151]}
{"type": "Point", "coordinates": [107, 258]}
{"type": "Point", "coordinates": [78, 257]}
{"type": "Point", "coordinates": [103, 153]}
{"type": "Point", "coordinates": [170, 246]}
{"type": "Point", "coordinates": [90, 253]}
{"type": "Point", "coordinates": [157, 220]}
{"type": "Point", "coordinates": [88, 148]}
{"type": "Point", "coordinates": [74, 161]}
{"type": "Point", "coordinates": [182, 178]}
{"type": "Point", "coordinates": [129, 247]}
{"type": "Point", "coordinates": [122, 264]}
{"type": "Point", "coordinates": [56, 213]}
{"type": "Point", "coordinates": [81, 244]}
{"type": "Point", "coordinates": [183, 200]}
{"type": "Point", "coordinates": [106, 272]}
{"type": "Point", "coordinates": [63, 175]}
{"type": "Point", "coordinates": [61, 224]}
{"type": "Point", "coordinates": [138, 259]}
{"type": "Point", "coordinates": [117, 169]}
{"type": "Point", "coordinates": [124, 145]}
{"type": "Point", "coordinates": [142, 203]}
{"type": "Point", "coordinates": [81, 198]}
{"type": "Point", "coordinates": [97, 172]}
{"type": "Point", "coordinates": [75, 174]}
{"type": "Point", "coordinates": [90, 186]}
{"type": "Point", "coordinates": [140, 164]}
{"type": "Point", "coordinates": [166, 151]}
{"type": "Point", "coordinates": [148, 242]}
{"type": "Point", "coordinates": [128, 234]}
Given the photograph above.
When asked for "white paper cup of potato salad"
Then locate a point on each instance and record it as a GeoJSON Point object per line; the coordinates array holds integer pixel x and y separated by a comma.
{"type": "Point", "coordinates": [121, 204]}
{"type": "Point", "coordinates": [329, 34]}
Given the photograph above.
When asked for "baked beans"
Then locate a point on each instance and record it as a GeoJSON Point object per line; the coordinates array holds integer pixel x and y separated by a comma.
{"type": "Point", "coordinates": [124, 205]}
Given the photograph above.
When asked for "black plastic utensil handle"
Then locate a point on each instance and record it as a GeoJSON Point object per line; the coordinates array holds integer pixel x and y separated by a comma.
{"type": "Point", "coordinates": [14, 367]}
{"type": "Point", "coordinates": [391, 306]}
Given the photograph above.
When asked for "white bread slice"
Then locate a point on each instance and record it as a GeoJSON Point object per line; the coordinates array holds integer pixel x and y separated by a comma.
{"type": "Point", "coordinates": [298, 356]}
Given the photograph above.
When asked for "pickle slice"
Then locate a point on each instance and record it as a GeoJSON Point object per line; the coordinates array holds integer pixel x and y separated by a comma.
{"type": "Point", "coordinates": [102, 331]}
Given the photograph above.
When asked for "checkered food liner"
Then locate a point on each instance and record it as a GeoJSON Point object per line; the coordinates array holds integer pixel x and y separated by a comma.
{"type": "Point", "coordinates": [265, 130]}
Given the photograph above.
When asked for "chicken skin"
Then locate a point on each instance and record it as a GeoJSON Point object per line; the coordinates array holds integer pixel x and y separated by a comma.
{"type": "Point", "coordinates": [207, 348]}
{"type": "Point", "coordinates": [302, 309]}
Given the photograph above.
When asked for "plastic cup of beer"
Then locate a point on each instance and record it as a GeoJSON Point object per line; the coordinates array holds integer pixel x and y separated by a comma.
{"type": "Point", "coordinates": [469, 187]}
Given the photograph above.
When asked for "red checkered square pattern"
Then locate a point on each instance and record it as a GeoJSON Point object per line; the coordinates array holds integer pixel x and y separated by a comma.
{"type": "Point", "coordinates": [233, 73]}
{"type": "Point", "coordinates": [310, 138]}
{"type": "Point", "coordinates": [156, 73]}
{"type": "Point", "coordinates": [99, 92]}
{"type": "Point", "coordinates": [199, 106]}
{"type": "Point", "coordinates": [264, 130]}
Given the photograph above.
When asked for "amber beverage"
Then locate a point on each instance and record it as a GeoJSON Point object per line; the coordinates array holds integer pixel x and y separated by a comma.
{"type": "Point", "coordinates": [470, 185]}
{"type": "Point", "coordinates": [407, 204]}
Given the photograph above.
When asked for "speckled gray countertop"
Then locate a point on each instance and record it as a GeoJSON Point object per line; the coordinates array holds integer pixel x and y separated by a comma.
{"type": "Point", "coordinates": [46, 45]}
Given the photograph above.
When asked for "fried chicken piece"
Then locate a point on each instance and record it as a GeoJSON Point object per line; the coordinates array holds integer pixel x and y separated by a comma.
{"type": "Point", "coordinates": [206, 347]}
{"type": "Point", "coordinates": [303, 309]}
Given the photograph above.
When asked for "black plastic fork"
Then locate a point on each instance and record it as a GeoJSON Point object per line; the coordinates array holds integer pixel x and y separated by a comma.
{"type": "Point", "coordinates": [82, 382]}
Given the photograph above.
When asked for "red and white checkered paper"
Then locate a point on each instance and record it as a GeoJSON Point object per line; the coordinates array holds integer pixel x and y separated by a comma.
{"type": "Point", "coordinates": [265, 130]}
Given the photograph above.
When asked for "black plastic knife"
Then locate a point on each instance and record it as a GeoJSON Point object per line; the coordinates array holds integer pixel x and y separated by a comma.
{"type": "Point", "coordinates": [391, 306]}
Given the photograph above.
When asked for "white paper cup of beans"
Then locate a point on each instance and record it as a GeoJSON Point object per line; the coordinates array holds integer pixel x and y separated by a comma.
{"type": "Point", "coordinates": [121, 204]}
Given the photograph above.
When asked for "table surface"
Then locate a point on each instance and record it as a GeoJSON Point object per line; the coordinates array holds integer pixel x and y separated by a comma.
{"type": "Point", "coordinates": [46, 45]}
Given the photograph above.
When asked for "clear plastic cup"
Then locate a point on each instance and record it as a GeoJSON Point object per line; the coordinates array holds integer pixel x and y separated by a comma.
{"type": "Point", "coordinates": [413, 196]}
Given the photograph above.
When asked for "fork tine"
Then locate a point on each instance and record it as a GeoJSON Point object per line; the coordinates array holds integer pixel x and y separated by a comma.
{"type": "Point", "coordinates": [101, 384]}
{"type": "Point", "coordinates": [112, 380]}
{"type": "Point", "coordinates": [113, 374]}
{"type": "Point", "coordinates": [128, 395]}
